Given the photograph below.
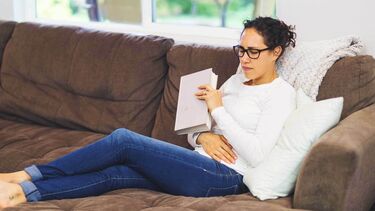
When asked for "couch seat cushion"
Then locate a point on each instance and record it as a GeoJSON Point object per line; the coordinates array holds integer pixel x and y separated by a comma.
{"type": "Point", "coordinates": [141, 199]}
{"type": "Point", "coordinates": [24, 144]}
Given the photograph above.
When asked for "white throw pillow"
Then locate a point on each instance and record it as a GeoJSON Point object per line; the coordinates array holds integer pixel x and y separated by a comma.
{"type": "Point", "coordinates": [276, 175]}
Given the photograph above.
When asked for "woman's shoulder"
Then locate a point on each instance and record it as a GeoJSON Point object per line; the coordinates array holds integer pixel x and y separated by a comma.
{"type": "Point", "coordinates": [282, 92]}
{"type": "Point", "coordinates": [284, 87]}
{"type": "Point", "coordinates": [235, 77]}
{"type": "Point", "coordinates": [233, 80]}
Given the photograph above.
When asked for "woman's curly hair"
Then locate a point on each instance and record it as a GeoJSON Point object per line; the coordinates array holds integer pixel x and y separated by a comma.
{"type": "Point", "coordinates": [275, 32]}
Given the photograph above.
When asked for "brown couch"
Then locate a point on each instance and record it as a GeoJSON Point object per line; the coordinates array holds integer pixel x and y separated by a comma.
{"type": "Point", "coordinates": [64, 87]}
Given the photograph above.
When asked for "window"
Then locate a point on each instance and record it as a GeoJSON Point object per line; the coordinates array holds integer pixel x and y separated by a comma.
{"type": "Point", "coordinates": [214, 13]}
{"type": "Point", "coordinates": [217, 22]}
{"type": "Point", "coordinates": [122, 11]}
{"type": "Point", "coordinates": [211, 13]}
{"type": "Point", "coordinates": [62, 10]}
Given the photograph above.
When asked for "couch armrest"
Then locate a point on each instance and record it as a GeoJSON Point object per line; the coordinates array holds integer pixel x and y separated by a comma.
{"type": "Point", "coordinates": [339, 171]}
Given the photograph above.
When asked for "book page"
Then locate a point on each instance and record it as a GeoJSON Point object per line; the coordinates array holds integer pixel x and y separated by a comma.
{"type": "Point", "coordinates": [192, 112]}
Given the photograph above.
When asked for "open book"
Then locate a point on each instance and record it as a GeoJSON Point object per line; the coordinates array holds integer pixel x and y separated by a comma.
{"type": "Point", "coordinates": [192, 114]}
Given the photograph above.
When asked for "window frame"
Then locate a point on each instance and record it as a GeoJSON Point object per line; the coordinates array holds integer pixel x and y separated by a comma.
{"type": "Point", "coordinates": [25, 10]}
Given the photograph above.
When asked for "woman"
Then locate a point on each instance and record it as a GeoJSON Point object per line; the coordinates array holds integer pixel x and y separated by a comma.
{"type": "Point", "coordinates": [249, 111]}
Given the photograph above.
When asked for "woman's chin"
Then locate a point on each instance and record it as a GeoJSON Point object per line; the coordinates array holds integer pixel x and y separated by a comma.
{"type": "Point", "coordinates": [248, 76]}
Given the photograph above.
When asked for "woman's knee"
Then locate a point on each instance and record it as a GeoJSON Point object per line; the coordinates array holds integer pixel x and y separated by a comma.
{"type": "Point", "coordinates": [119, 131]}
{"type": "Point", "coordinates": [121, 135]}
{"type": "Point", "coordinates": [117, 136]}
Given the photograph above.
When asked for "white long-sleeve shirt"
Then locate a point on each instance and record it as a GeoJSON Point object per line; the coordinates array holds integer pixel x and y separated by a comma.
{"type": "Point", "coordinates": [251, 118]}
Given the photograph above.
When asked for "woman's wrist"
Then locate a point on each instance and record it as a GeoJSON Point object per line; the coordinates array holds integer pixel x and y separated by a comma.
{"type": "Point", "coordinates": [199, 138]}
{"type": "Point", "coordinates": [217, 107]}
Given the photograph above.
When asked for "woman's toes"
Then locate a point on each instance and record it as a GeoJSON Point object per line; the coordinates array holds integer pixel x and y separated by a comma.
{"type": "Point", "coordinates": [10, 194]}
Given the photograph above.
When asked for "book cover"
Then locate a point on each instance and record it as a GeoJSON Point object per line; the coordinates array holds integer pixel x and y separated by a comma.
{"type": "Point", "coordinates": [192, 114]}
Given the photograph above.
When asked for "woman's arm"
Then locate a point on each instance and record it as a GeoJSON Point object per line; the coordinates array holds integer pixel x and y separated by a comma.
{"type": "Point", "coordinates": [253, 147]}
{"type": "Point", "coordinates": [192, 137]}
{"type": "Point", "coordinates": [215, 145]}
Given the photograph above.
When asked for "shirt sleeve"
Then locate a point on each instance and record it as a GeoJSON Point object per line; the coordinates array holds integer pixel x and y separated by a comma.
{"type": "Point", "coordinates": [254, 146]}
{"type": "Point", "coordinates": [192, 139]}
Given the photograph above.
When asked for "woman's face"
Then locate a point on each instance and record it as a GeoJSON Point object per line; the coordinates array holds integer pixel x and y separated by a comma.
{"type": "Point", "coordinates": [264, 65]}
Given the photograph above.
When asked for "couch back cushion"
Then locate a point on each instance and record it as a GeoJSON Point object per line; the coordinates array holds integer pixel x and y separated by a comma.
{"type": "Point", "coordinates": [354, 79]}
{"type": "Point", "coordinates": [184, 59]}
{"type": "Point", "coordinates": [83, 79]}
{"type": "Point", "coordinates": [6, 30]}
{"type": "Point", "coordinates": [350, 77]}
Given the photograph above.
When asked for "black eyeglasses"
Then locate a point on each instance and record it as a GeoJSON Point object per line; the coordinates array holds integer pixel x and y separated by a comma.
{"type": "Point", "coordinates": [252, 53]}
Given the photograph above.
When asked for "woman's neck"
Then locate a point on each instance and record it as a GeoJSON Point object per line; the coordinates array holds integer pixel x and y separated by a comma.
{"type": "Point", "coordinates": [263, 80]}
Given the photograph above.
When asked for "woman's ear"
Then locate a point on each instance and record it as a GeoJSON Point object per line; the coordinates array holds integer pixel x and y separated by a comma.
{"type": "Point", "coordinates": [277, 52]}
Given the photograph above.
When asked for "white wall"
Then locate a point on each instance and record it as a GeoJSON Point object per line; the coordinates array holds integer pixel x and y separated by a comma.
{"type": "Point", "coordinates": [6, 10]}
{"type": "Point", "coordinates": [314, 19]}
{"type": "Point", "coordinates": [17, 10]}
{"type": "Point", "coordinates": [326, 19]}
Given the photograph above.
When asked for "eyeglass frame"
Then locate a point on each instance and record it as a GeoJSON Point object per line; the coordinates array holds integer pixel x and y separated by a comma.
{"type": "Point", "coordinates": [247, 51]}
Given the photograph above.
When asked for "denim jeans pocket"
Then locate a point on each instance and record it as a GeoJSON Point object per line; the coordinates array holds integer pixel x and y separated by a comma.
{"type": "Point", "coordinates": [214, 191]}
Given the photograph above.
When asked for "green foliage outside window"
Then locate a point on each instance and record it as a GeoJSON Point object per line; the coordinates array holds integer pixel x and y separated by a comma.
{"type": "Point", "coordinates": [217, 13]}
{"type": "Point", "coordinates": [225, 13]}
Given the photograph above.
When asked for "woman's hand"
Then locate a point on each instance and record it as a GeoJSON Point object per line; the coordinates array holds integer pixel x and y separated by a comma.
{"type": "Point", "coordinates": [210, 95]}
{"type": "Point", "coordinates": [217, 146]}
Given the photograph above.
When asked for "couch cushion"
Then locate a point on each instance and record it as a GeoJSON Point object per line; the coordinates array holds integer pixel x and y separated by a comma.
{"type": "Point", "coordinates": [354, 79]}
{"type": "Point", "coordinates": [83, 79]}
{"type": "Point", "coordinates": [6, 30]}
{"type": "Point", "coordinates": [24, 144]}
{"type": "Point", "coordinates": [184, 59]}
{"type": "Point", "coordinates": [140, 199]}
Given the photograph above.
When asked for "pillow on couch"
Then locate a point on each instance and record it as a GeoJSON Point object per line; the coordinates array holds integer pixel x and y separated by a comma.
{"type": "Point", "coordinates": [306, 65]}
{"type": "Point", "coordinates": [276, 175]}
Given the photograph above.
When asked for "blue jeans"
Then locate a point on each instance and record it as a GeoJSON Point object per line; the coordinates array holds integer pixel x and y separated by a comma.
{"type": "Point", "coordinates": [125, 159]}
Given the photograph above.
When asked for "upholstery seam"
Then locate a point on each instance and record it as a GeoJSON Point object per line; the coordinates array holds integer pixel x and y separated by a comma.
{"type": "Point", "coordinates": [86, 186]}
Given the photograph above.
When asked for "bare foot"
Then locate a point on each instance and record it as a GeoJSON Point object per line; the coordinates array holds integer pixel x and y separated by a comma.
{"type": "Point", "coordinates": [10, 195]}
{"type": "Point", "coordinates": [16, 177]}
